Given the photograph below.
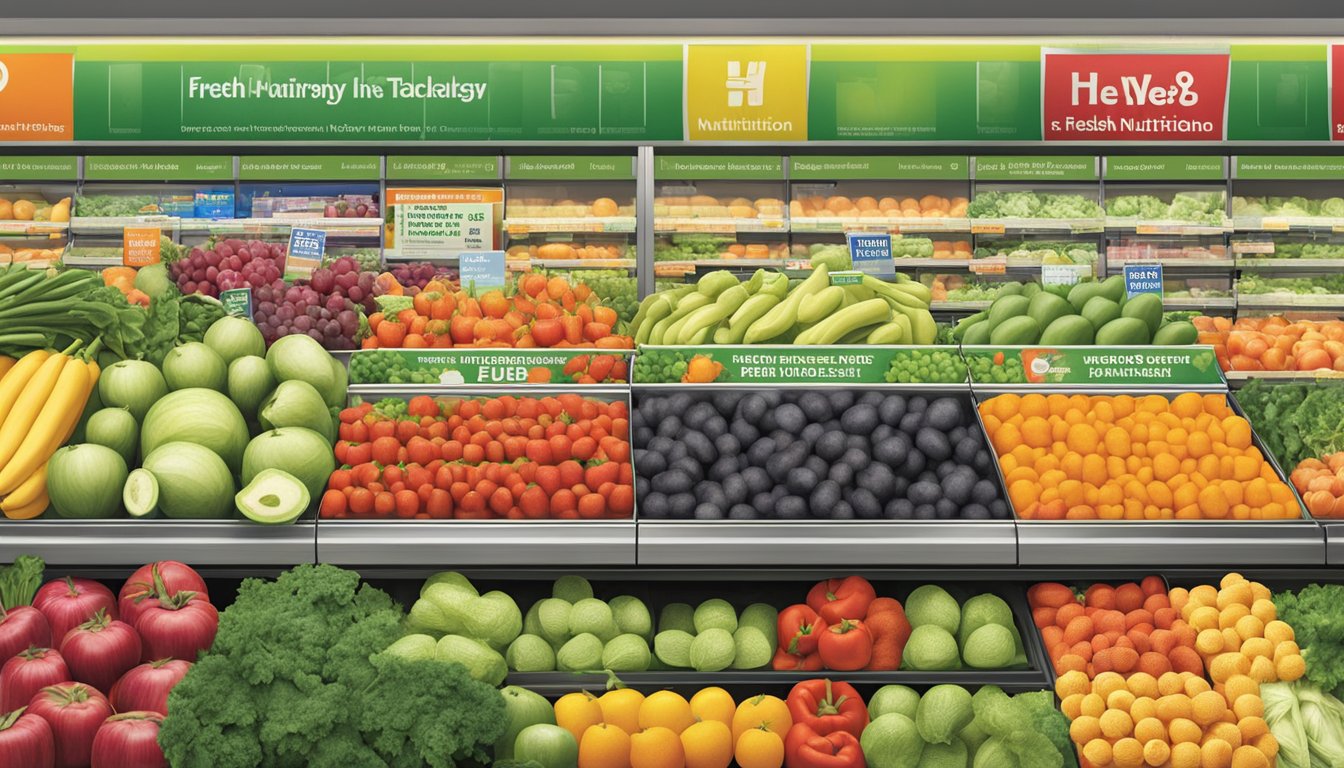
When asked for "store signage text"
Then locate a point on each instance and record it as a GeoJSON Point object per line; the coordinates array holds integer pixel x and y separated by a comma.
{"type": "Point", "coordinates": [332, 94]}
{"type": "Point", "coordinates": [1135, 97]}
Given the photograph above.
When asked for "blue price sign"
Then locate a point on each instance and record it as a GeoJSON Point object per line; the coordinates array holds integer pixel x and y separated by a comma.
{"type": "Point", "coordinates": [1143, 278]}
{"type": "Point", "coordinates": [871, 254]}
{"type": "Point", "coordinates": [481, 270]}
{"type": "Point", "coordinates": [306, 247]}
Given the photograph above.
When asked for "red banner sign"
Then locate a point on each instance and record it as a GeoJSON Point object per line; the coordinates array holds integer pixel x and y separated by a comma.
{"type": "Point", "coordinates": [1135, 97]}
{"type": "Point", "coordinates": [1337, 92]}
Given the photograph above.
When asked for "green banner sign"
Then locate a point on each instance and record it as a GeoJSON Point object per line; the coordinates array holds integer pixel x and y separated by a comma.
{"type": "Point", "coordinates": [711, 167]}
{"type": "Point", "coordinates": [157, 168]}
{"type": "Point", "coordinates": [1165, 168]}
{"type": "Point", "coordinates": [442, 167]}
{"type": "Point", "coordinates": [1036, 168]}
{"type": "Point", "coordinates": [570, 167]}
{"type": "Point", "coordinates": [1109, 366]}
{"type": "Point", "coordinates": [370, 92]}
{"type": "Point", "coordinates": [798, 365]}
{"type": "Point", "coordinates": [450, 367]}
{"type": "Point", "coordinates": [935, 92]}
{"type": "Point", "coordinates": [1290, 167]}
{"type": "Point", "coordinates": [310, 168]}
{"type": "Point", "coordinates": [840, 167]}
{"type": "Point", "coordinates": [1278, 93]}
{"type": "Point", "coordinates": [38, 168]}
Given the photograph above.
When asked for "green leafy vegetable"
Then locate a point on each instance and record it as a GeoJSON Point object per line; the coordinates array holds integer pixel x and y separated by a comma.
{"type": "Point", "coordinates": [1316, 614]}
{"type": "Point", "coordinates": [1014, 723]}
{"type": "Point", "coordinates": [1296, 421]}
{"type": "Point", "coordinates": [296, 678]}
{"type": "Point", "coordinates": [19, 581]}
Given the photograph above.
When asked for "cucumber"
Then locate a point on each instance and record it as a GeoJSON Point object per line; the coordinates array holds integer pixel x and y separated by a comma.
{"type": "Point", "coordinates": [140, 495]}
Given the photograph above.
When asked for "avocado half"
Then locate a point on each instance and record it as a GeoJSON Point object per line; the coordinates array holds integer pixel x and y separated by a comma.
{"type": "Point", "coordinates": [274, 497]}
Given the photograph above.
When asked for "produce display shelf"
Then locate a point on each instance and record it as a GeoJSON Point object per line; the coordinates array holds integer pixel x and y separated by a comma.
{"type": "Point", "coordinates": [1134, 225]}
{"type": "Point", "coordinates": [344, 227]}
{"type": "Point", "coordinates": [580, 263]}
{"type": "Point", "coordinates": [893, 224]}
{"type": "Point", "coordinates": [693, 263]}
{"type": "Point", "coordinates": [1192, 302]}
{"type": "Point", "coordinates": [1284, 376]}
{"type": "Point", "coordinates": [33, 227]}
{"type": "Point", "coordinates": [1115, 265]}
{"type": "Point", "coordinates": [1288, 224]}
{"type": "Point", "coordinates": [918, 263]}
{"type": "Point", "coordinates": [867, 542]}
{"type": "Point", "coordinates": [1334, 542]}
{"type": "Point", "coordinates": [560, 683]}
{"type": "Point", "coordinates": [78, 543]}
{"type": "Point", "coordinates": [1033, 226]}
{"type": "Point", "coordinates": [463, 543]}
{"type": "Point", "coordinates": [1287, 264]}
{"type": "Point", "coordinates": [960, 306]}
{"type": "Point", "coordinates": [95, 225]}
{"type": "Point", "coordinates": [667, 225]}
{"type": "Point", "coordinates": [609, 391]}
{"type": "Point", "coordinates": [526, 225]}
{"type": "Point", "coordinates": [72, 259]}
{"type": "Point", "coordinates": [1290, 301]}
{"type": "Point", "coordinates": [1159, 544]}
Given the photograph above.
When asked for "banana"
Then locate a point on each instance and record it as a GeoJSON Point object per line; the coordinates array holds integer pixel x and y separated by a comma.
{"type": "Point", "coordinates": [27, 512]}
{"type": "Point", "coordinates": [5, 364]}
{"type": "Point", "coordinates": [698, 321]}
{"type": "Point", "coordinates": [836, 326]}
{"type": "Point", "coordinates": [784, 315]}
{"type": "Point", "coordinates": [28, 491]}
{"type": "Point", "coordinates": [826, 301]}
{"type": "Point", "coordinates": [26, 408]}
{"type": "Point", "coordinates": [889, 333]}
{"type": "Point", "coordinates": [13, 383]}
{"type": "Point", "coordinates": [52, 422]}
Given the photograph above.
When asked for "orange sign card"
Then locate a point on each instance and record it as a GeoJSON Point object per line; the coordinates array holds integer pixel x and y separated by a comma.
{"type": "Point", "coordinates": [37, 98]}
{"type": "Point", "coordinates": [140, 246]}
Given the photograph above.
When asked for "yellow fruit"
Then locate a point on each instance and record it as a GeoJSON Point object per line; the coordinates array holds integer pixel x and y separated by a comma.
{"type": "Point", "coordinates": [1235, 594]}
{"type": "Point", "coordinates": [1092, 705]}
{"type": "Point", "coordinates": [1106, 683]}
{"type": "Point", "coordinates": [1260, 591]}
{"type": "Point", "coordinates": [1255, 647]}
{"type": "Point", "coordinates": [1186, 755]}
{"type": "Point", "coordinates": [604, 746]}
{"type": "Point", "coordinates": [1286, 648]}
{"type": "Point", "coordinates": [1225, 732]}
{"type": "Point", "coordinates": [1249, 757]}
{"type": "Point", "coordinates": [656, 748]}
{"type": "Point", "coordinates": [24, 210]}
{"type": "Point", "coordinates": [1208, 707]}
{"type": "Point", "coordinates": [1252, 727]}
{"type": "Point", "coordinates": [707, 744]}
{"type": "Point", "coordinates": [1183, 730]}
{"type": "Point", "coordinates": [1291, 667]}
{"type": "Point", "coordinates": [1084, 729]}
{"type": "Point", "coordinates": [1195, 686]}
{"type": "Point", "coordinates": [1248, 705]}
{"type": "Point", "coordinates": [1116, 724]}
{"type": "Point", "coordinates": [1225, 665]}
{"type": "Point", "coordinates": [1264, 611]}
{"type": "Point", "coordinates": [1204, 617]}
{"type": "Point", "coordinates": [714, 704]}
{"type": "Point", "coordinates": [1268, 744]}
{"type": "Point", "coordinates": [1098, 752]}
{"type": "Point", "coordinates": [1209, 642]}
{"type": "Point", "coordinates": [1072, 707]}
{"type": "Point", "coordinates": [1216, 754]}
{"type": "Point", "coordinates": [770, 711]}
{"type": "Point", "coordinates": [621, 708]}
{"type": "Point", "coordinates": [1127, 753]}
{"type": "Point", "coordinates": [1229, 616]}
{"type": "Point", "coordinates": [1143, 708]}
{"type": "Point", "coordinates": [1241, 685]}
{"type": "Point", "coordinates": [1071, 682]}
{"type": "Point", "coordinates": [1204, 594]}
{"type": "Point", "coordinates": [1170, 683]}
{"type": "Point", "coordinates": [1231, 640]}
{"type": "Point", "coordinates": [1230, 579]}
{"type": "Point", "coordinates": [667, 709]}
{"type": "Point", "coordinates": [759, 748]}
{"type": "Point", "coordinates": [1142, 684]}
{"type": "Point", "coordinates": [1169, 708]}
{"type": "Point", "coordinates": [1278, 631]}
{"type": "Point", "coordinates": [1121, 700]}
{"type": "Point", "coordinates": [1248, 627]}
{"type": "Point", "coordinates": [1149, 729]}
{"type": "Point", "coordinates": [1262, 670]}
{"type": "Point", "coordinates": [576, 711]}
{"type": "Point", "coordinates": [1156, 752]}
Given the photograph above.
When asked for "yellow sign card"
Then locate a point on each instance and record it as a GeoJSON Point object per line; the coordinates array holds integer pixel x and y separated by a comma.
{"type": "Point", "coordinates": [746, 92]}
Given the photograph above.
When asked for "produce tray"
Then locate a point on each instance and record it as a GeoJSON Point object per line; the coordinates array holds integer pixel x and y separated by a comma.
{"type": "Point", "coordinates": [81, 543]}
{"type": "Point", "coordinates": [866, 542]}
{"type": "Point", "coordinates": [553, 684]}
{"type": "Point", "coordinates": [1287, 264]}
{"type": "Point", "coordinates": [1334, 541]}
{"type": "Point", "coordinates": [461, 543]}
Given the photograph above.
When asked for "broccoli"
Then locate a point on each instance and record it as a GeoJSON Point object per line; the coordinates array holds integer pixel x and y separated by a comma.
{"type": "Point", "coordinates": [296, 677]}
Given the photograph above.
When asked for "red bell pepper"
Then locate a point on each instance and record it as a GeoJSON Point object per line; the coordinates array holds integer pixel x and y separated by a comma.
{"type": "Point", "coordinates": [836, 599]}
{"type": "Point", "coordinates": [788, 662]}
{"type": "Point", "coordinates": [828, 707]}
{"type": "Point", "coordinates": [846, 646]}
{"type": "Point", "coordinates": [799, 629]}
{"type": "Point", "coordinates": [890, 629]}
{"type": "Point", "coordinates": [805, 748]}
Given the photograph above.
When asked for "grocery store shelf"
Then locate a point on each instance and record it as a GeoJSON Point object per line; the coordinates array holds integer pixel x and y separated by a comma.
{"type": "Point", "coordinates": [1191, 302]}
{"type": "Point", "coordinates": [519, 226]}
{"type": "Point", "coordinates": [930, 225]}
{"type": "Point", "coordinates": [1288, 264]}
{"type": "Point", "coordinates": [707, 225]}
{"type": "Point", "coordinates": [610, 391]}
{"type": "Point", "coordinates": [1160, 544]}
{"type": "Point", "coordinates": [959, 306]}
{"type": "Point", "coordinates": [1287, 224]}
{"type": "Point", "coordinates": [107, 225]}
{"type": "Point", "coordinates": [1321, 301]}
{"type": "Point", "coordinates": [913, 263]}
{"type": "Point", "coordinates": [1037, 226]}
{"type": "Point", "coordinates": [580, 263]}
{"type": "Point", "coordinates": [1115, 265]}
{"type": "Point", "coordinates": [1283, 376]}
{"type": "Point", "coordinates": [761, 680]}
{"type": "Point", "coordinates": [337, 227]}
{"type": "Point", "coordinates": [132, 542]}
{"type": "Point", "coordinates": [462, 543]}
{"type": "Point", "coordinates": [1334, 542]}
{"type": "Point", "coordinates": [877, 543]}
{"type": "Point", "coordinates": [32, 227]}
{"type": "Point", "coordinates": [1135, 226]}
{"type": "Point", "coordinates": [692, 263]}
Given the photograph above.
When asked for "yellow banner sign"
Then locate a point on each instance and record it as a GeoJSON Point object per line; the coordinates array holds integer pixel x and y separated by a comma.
{"type": "Point", "coordinates": [746, 92]}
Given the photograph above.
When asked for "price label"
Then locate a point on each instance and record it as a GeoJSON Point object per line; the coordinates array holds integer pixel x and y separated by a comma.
{"type": "Point", "coordinates": [1143, 278]}
{"type": "Point", "coordinates": [987, 229]}
{"type": "Point", "coordinates": [994, 265]}
{"type": "Point", "coordinates": [871, 253]}
{"type": "Point", "coordinates": [306, 247]}
{"type": "Point", "coordinates": [481, 270]}
{"type": "Point", "coordinates": [140, 246]}
{"type": "Point", "coordinates": [237, 302]}
{"type": "Point", "coordinates": [846, 278]}
{"type": "Point", "coordinates": [1060, 274]}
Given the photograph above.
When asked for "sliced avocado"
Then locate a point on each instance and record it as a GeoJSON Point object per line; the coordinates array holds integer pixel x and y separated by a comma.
{"type": "Point", "coordinates": [274, 497]}
{"type": "Point", "coordinates": [140, 495]}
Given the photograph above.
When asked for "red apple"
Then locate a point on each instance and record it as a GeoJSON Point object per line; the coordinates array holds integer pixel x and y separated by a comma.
{"type": "Point", "coordinates": [75, 712]}
{"type": "Point", "coordinates": [69, 602]}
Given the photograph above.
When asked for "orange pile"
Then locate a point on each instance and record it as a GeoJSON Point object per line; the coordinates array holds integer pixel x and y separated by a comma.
{"type": "Point", "coordinates": [1119, 457]}
{"type": "Point", "coordinates": [1175, 719]}
{"type": "Point", "coordinates": [1124, 629]}
{"type": "Point", "coordinates": [1240, 632]}
{"type": "Point", "coordinates": [1274, 343]}
{"type": "Point", "coordinates": [839, 206]}
{"type": "Point", "coordinates": [1321, 483]}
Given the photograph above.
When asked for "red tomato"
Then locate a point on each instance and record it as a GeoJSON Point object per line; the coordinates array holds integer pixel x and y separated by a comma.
{"type": "Point", "coordinates": [129, 740]}
{"type": "Point", "coordinates": [69, 602]}
{"type": "Point", "coordinates": [74, 711]}
{"type": "Point", "coordinates": [22, 627]}
{"type": "Point", "coordinates": [28, 672]}
{"type": "Point", "coordinates": [166, 577]}
{"type": "Point", "coordinates": [178, 627]}
{"type": "Point", "coordinates": [100, 650]}
{"type": "Point", "coordinates": [26, 741]}
{"type": "Point", "coordinates": [146, 687]}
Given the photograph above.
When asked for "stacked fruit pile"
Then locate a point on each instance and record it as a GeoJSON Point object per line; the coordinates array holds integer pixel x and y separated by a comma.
{"type": "Point", "coordinates": [764, 309]}
{"type": "Point", "coordinates": [1274, 343]}
{"type": "Point", "coordinates": [471, 459]}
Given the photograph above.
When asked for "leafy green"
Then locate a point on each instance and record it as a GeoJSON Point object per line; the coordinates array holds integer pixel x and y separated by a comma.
{"type": "Point", "coordinates": [199, 312]}
{"type": "Point", "coordinates": [1049, 721]}
{"type": "Point", "coordinates": [1316, 614]}
{"type": "Point", "coordinates": [993, 204]}
{"type": "Point", "coordinates": [1014, 724]}
{"type": "Point", "coordinates": [295, 678]}
{"type": "Point", "coordinates": [1296, 421]}
{"type": "Point", "coordinates": [19, 581]}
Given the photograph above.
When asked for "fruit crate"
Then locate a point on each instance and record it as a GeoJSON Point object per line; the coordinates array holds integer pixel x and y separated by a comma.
{"type": "Point", "coordinates": [667, 540]}
{"type": "Point", "coordinates": [128, 543]}
{"type": "Point", "coordinates": [1158, 543]}
{"type": "Point", "coordinates": [418, 544]}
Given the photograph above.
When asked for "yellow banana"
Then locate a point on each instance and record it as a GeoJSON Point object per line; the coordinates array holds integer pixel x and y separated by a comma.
{"type": "Point", "coordinates": [29, 404]}
{"type": "Point", "coordinates": [12, 385]}
{"type": "Point", "coordinates": [72, 418]}
{"type": "Point", "coordinates": [28, 491]}
{"type": "Point", "coordinates": [66, 398]}
{"type": "Point", "coordinates": [6, 363]}
{"type": "Point", "coordinates": [27, 512]}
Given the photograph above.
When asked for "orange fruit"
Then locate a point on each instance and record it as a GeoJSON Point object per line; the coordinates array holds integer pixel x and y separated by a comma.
{"type": "Point", "coordinates": [621, 708]}
{"type": "Point", "coordinates": [576, 711]}
{"type": "Point", "coordinates": [656, 748]}
{"type": "Point", "coordinates": [759, 748]}
{"type": "Point", "coordinates": [770, 711]}
{"type": "Point", "coordinates": [713, 704]}
{"type": "Point", "coordinates": [666, 709]}
{"type": "Point", "coordinates": [708, 744]}
{"type": "Point", "coordinates": [604, 746]}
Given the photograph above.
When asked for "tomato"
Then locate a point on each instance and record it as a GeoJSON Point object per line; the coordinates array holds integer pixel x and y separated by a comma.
{"type": "Point", "coordinates": [178, 627]}
{"type": "Point", "coordinates": [597, 474]}
{"type": "Point", "coordinates": [534, 503]}
{"type": "Point", "coordinates": [440, 504]}
{"type": "Point", "coordinates": [616, 449]}
{"type": "Point", "coordinates": [385, 450]}
{"type": "Point", "coordinates": [359, 454]}
{"type": "Point", "coordinates": [384, 504]}
{"type": "Point", "coordinates": [26, 741]}
{"type": "Point", "coordinates": [361, 502]}
{"type": "Point", "coordinates": [592, 506]}
{"type": "Point", "coordinates": [69, 602]}
{"type": "Point", "coordinates": [333, 504]}
{"type": "Point", "coordinates": [163, 578]}
{"type": "Point", "coordinates": [100, 650]}
{"type": "Point", "coordinates": [28, 672]}
{"type": "Point", "coordinates": [500, 501]}
{"type": "Point", "coordinates": [584, 448]}
{"type": "Point", "coordinates": [392, 474]}
{"type": "Point", "coordinates": [421, 451]}
{"type": "Point", "coordinates": [22, 627]}
{"type": "Point", "coordinates": [621, 502]}
{"type": "Point", "coordinates": [74, 711]}
{"type": "Point", "coordinates": [129, 740]}
{"type": "Point", "coordinates": [423, 405]}
{"type": "Point", "coordinates": [407, 504]}
{"type": "Point", "coordinates": [146, 686]}
{"type": "Point", "coordinates": [340, 480]}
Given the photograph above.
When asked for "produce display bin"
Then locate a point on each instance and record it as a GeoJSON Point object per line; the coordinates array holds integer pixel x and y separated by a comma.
{"type": "Point", "coordinates": [1334, 542]}
{"type": "Point", "coordinates": [206, 543]}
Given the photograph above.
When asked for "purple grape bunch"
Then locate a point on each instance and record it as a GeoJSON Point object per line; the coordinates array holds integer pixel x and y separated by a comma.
{"type": "Point", "coordinates": [326, 306]}
{"type": "Point", "coordinates": [228, 264]}
{"type": "Point", "coordinates": [415, 275]}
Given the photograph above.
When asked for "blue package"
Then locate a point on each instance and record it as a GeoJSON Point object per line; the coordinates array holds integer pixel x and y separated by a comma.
{"type": "Point", "coordinates": [214, 204]}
